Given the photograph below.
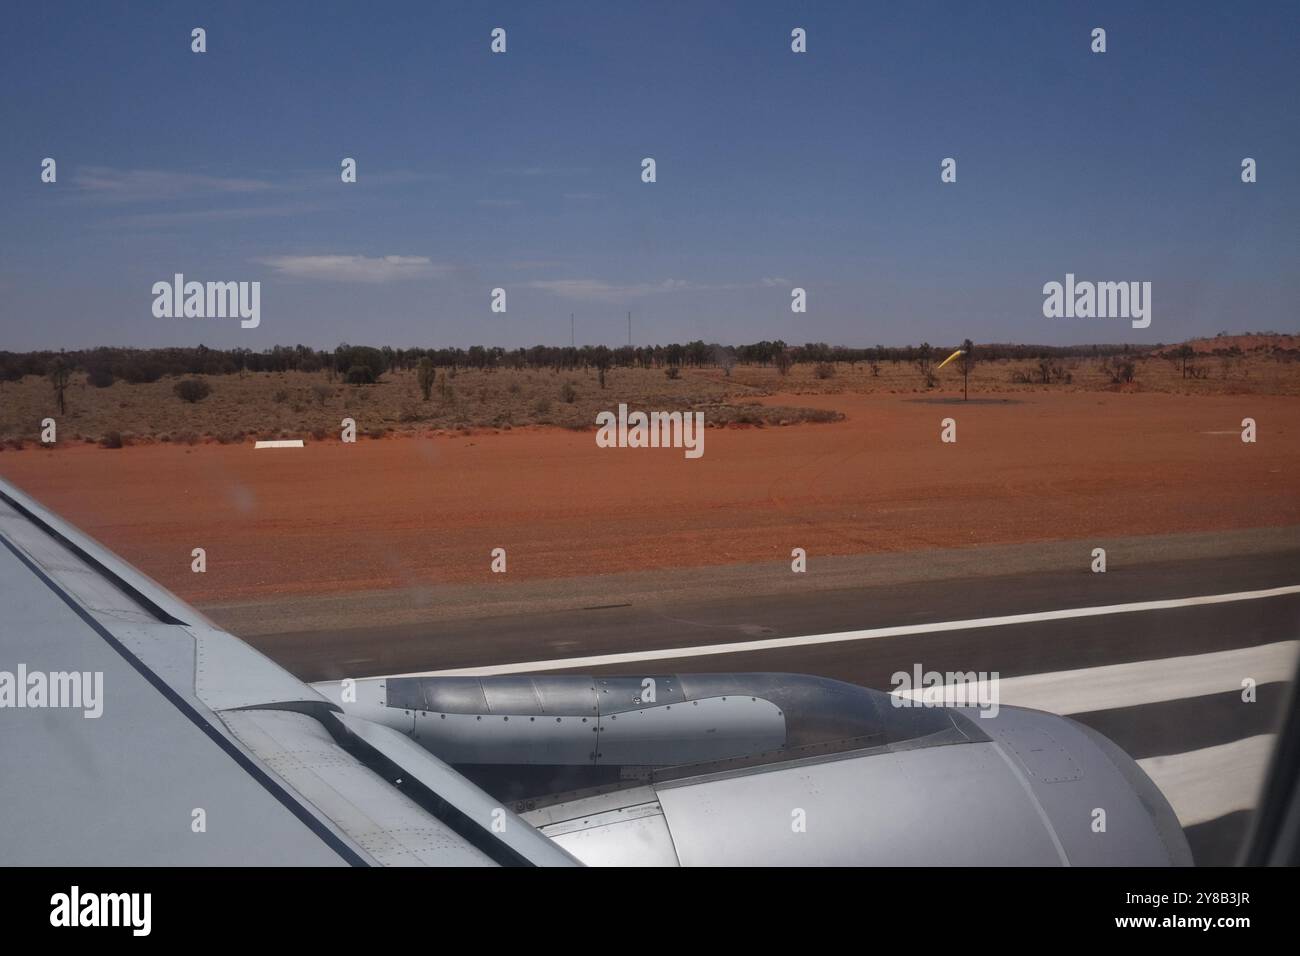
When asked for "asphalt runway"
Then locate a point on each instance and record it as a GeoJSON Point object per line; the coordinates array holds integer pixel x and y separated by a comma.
{"type": "Point", "coordinates": [1153, 656]}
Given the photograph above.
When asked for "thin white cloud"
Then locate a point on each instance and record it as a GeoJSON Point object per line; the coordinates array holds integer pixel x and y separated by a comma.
{"type": "Point", "coordinates": [155, 220]}
{"type": "Point", "coordinates": [145, 185]}
{"type": "Point", "coordinates": [356, 268]}
{"type": "Point", "coordinates": [537, 264]}
{"type": "Point", "coordinates": [545, 170]}
{"type": "Point", "coordinates": [598, 290]}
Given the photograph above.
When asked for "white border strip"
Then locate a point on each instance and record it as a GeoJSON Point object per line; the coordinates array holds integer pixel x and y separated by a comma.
{"type": "Point", "coordinates": [1203, 785]}
{"type": "Point", "coordinates": [286, 443]}
{"type": "Point", "coordinates": [710, 650]}
{"type": "Point", "coordinates": [1135, 684]}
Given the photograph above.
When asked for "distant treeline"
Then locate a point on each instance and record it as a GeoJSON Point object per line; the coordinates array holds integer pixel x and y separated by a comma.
{"type": "Point", "coordinates": [103, 366]}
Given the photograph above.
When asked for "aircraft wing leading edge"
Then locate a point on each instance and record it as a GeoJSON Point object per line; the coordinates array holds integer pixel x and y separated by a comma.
{"type": "Point", "coordinates": [135, 732]}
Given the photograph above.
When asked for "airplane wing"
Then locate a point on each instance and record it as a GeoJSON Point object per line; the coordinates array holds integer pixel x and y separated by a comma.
{"type": "Point", "coordinates": [133, 731]}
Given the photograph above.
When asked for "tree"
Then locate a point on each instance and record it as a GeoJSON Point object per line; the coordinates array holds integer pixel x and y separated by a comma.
{"type": "Point", "coordinates": [725, 358]}
{"type": "Point", "coordinates": [924, 356]}
{"type": "Point", "coordinates": [967, 361]}
{"type": "Point", "coordinates": [425, 375]}
{"type": "Point", "coordinates": [349, 357]}
{"type": "Point", "coordinates": [59, 379]}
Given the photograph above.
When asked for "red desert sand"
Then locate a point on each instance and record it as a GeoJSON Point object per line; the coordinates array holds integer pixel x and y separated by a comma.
{"type": "Point", "coordinates": [407, 511]}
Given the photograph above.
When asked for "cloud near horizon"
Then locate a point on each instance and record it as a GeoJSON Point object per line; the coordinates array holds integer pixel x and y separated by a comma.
{"type": "Point", "coordinates": [598, 290]}
{"type": "Point", "coordinates": [356, 268]}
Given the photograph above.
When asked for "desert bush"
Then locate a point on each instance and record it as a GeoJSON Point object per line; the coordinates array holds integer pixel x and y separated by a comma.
{"type": "Point", "coordinates": [1121, 371]}
{"type": "Point", "coordinates": [568, 393]}
{"type": "Point", "coordinates": [321, 392]}
{"type": "Point", "coordinates": [360, 375]}
{"type": "Point", "coordinates": [100, 376]}
{"type": "Point", "coordinates": [425, 376]}
{"type": "Point", "coordinates": [824, 370]}
{"type": "Point", "coordinates": [281, 396]}
{"type": "Point", "coordinates": [140, 368]}
{"type": "Point", "coordinates": [673, 372]}
{"type": "Point", "coordinates": [111, 440]}
{"type": "Point", "coordinates": [192, 389]}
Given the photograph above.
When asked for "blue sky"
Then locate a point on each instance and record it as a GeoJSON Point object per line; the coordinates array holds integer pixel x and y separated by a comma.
{"type": "Point", "coordinates": [523, 170]}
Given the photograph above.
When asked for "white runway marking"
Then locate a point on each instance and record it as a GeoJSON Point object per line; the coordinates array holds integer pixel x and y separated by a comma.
{"type": "Point", "coordinates": [1202, 785]}
{"type": "Point", "coordinates": [287, 443]}
{"type": "Point", "coordinates": [1140, 682]}
{"type": "Point", "coordinates": [710, 650]}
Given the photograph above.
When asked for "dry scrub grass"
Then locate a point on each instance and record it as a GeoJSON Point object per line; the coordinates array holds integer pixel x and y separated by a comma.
{"type": "Point", "coordinates": [301, 404]}
{"type": "Point", "coordinates": [1256, 374]}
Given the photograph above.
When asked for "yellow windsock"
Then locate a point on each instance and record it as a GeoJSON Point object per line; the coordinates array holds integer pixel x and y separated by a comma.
{"type": "Point", "coordinates": [950, 358]}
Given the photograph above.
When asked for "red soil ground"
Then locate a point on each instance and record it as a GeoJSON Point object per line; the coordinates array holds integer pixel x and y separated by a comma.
{"type": "Point", "coordinates": [409, 511]}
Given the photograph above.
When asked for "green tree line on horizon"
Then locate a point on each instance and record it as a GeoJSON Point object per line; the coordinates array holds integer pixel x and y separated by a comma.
{"type": "Point", "coordinates": [360, 363]}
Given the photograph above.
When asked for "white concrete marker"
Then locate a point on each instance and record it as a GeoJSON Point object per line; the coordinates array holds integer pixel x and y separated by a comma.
{"type": "Point", "coordinates": [710, 650]}
{"type": "Point", "coordinates": [289, 443]}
